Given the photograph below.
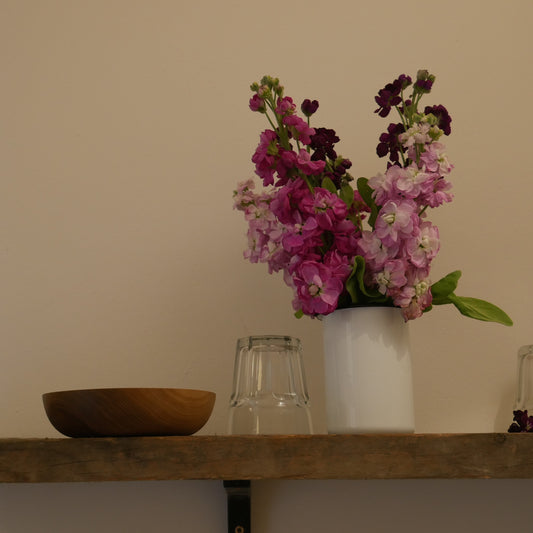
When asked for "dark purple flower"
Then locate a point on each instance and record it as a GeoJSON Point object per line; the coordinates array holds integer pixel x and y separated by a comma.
{"type": "Point", "coordinates": [339, 172]}
{"type": "Point", "coordinates": [386, 100]}
{"type": "Point", "coordinates": [442, 115]}
{"type": "Point", "coordinates": [389, 144]}
{"type": "Point", "coordinates": [389, 96]}
{"type": "Point", "coordinates": [424, 81]}
{"type": "Point", "coordinates": [522, 423]}
{"type": "Point", "coordinates": [309, 107]}
{"type": "Point", "coordinates": [322, 142]}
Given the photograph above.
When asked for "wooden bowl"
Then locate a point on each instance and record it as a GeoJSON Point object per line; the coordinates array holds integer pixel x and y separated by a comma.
{"type": "Point", "coordinates": [128, 411]}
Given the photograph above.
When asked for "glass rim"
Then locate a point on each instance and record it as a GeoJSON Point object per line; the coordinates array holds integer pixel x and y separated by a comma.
{"type": "Point", "coordinates": [255, 340]}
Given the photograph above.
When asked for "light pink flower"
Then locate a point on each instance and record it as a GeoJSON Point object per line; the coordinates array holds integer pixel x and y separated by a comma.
{"type": "Point", "coordinates": [391, 277]}
{"type": "Point", "coordinates": [423, 247]}
{"type": "Point", "coordinates": [417, 134]}
{"type": "Point", "coordinates": [435, 160]}
{"type": "Point", "coordinates": [396, 220]}
{"type": "Point", "coordinates": [374, 251]}
{"type": "Point", "coordinates": [438, 194]}
{"type": "Point", "coordinates": [411, 181]}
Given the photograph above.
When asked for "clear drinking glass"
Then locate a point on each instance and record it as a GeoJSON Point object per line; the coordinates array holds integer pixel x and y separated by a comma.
{"type": "Point", "coordinates": [269, 388]}
{"type": "Point", "coordinates": [524, 397]}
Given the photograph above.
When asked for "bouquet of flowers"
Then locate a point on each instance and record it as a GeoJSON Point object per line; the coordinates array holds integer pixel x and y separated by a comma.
{"type": "Point", "coordinates": [341, 242]}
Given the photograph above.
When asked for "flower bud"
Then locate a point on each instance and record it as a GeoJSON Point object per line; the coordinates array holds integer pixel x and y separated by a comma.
{"type": "Point", "coordinates": [309, 107]}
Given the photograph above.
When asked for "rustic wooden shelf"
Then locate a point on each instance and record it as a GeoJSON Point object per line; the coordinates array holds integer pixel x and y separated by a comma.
{"type": "Point", "coordinates": [419, 456]}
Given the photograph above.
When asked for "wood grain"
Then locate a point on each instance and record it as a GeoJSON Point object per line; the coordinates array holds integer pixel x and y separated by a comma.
{"type": "Point", "coordinates": [128, 411]}
{"type": "Point", "coordinates": [423, 456]}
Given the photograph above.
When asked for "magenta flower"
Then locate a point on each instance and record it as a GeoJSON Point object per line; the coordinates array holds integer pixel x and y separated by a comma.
{"type": "Point", "coordinates": [328, 209]}
{"type": "Point", "coordinates": [264, 156]}
{"type": "Point", "coordinates": [257, 104]}
{"type": "Point", "coordinates": [302, 237]}
{"type": "Point", "coordinates": [307, 166]}
{"type": "Point", "coordinates": [339, 240]}
{"type": "Point", "coordinates": [298, 128]}
{"type": "Point", "coordinates": [291, 201]}
{"type": "Point", "coordinates": [346, 238]}
{"type": "Point", "coordinates": [285, 106]}
{"type": "Point", "coordinates": [317, 289]}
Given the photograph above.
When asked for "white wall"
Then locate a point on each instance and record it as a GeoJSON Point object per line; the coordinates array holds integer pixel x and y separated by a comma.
{"type": "Point", "coordinates": [125, 127]}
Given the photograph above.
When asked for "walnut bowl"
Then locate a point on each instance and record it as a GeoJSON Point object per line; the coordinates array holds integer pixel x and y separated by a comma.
{"type": "Point", "coordinates": [128, 411]}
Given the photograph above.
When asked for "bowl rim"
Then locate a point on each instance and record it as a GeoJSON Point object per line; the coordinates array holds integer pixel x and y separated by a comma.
{"type": "Point", "coordinates": [127, 389]}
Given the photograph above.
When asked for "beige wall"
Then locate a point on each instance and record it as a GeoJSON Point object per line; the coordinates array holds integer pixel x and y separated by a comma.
{"type": "Point", "coordinates": [124, 130]}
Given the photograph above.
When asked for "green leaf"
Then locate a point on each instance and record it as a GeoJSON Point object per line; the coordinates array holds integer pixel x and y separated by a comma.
{"type": "Point", "coordinates": [355, 285]}
{"type": "Point", "coordinates": [441, 289]}
{"type": "Point", "coordinates": [352, 285]}
{"type": "Point", "coordinates": [347, 194]}
{"type": "Point", "coordinates": [327, 183]}
{"type": "Point", "coordinates": [299, 313]}
{"type": "Point", "coordinates": [480, 310]}
{"type": "Point", "coordinates": [366, 191]}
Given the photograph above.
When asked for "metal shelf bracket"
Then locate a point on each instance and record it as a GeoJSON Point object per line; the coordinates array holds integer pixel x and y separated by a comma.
{"type": "Point", "coordinates": [239, 517]}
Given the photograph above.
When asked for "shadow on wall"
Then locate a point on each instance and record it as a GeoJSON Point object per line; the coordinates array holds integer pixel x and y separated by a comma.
{"type": "Point", "coordinates": [135, 507]}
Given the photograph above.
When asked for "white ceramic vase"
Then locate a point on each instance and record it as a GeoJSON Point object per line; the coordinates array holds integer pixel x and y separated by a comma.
{"type": "Point", "coordinates": [368, 373]}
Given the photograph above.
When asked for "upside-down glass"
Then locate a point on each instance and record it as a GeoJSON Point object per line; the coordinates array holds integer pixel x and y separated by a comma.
{"type": "Point", "coordinates": [524, 396]}
{"type": "Point", "coordinates": [269, 388]}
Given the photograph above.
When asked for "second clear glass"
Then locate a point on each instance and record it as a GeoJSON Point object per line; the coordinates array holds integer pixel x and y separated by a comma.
{"type": "Point", "coordinates": [269, 388]}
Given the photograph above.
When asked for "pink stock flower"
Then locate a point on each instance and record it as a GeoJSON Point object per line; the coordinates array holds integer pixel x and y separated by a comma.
{"type": "Point", "coordinates": [317, 290]}
{"type": "Point", "coordinates": [438, 194]}
{"type": "Point", "coordinates": [435, 160]}
{"type": "Point", "coordinates": [257, 103]}
{"type": "Point", "coordinates": [299, 128]}
{"type": "Point", "coordinates": [243, 195]}
{"type": "Point", "coordinates": [339, 264]}
{"type": "Point", "coordinates": [423, 247]}
{"type": "Point", "coordinates": [314, 223]}
{"type": "Point", "coordinates": [291, 201]}
{"type": "Point", "coordinates": [420, 300]}
{"type": "Point", "coordinates": [396, 220]}
{"type": "Point", "coordinates": [412, 182]}
{"type": "Point", "coordinates": [417, 134]}
{"type": "Point", "coordinates": [264, 159]}
{"type": "Point", "coordinates": [328, 208]}
{"type": "Point", "coordinates": [307, 166]}
{"type": "Point", "coordinates": [347, 238]}
{"type": "Point", "coordinates": [374, 251]}
{"type": "Point", "coordinates": [285, 106]}
{"type": "Point", "coordinates": [391, 277]}
{"type": "Point", "coordinates": [301, 237]}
